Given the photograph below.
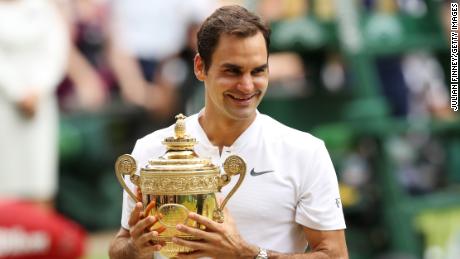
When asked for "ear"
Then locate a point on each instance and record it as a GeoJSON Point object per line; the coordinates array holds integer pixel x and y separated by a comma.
{"type": "Point", "coordinates": [198, 67]}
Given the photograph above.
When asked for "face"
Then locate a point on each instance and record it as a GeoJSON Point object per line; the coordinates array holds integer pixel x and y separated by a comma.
{"type": "Point", "coordinates": [237, 79]}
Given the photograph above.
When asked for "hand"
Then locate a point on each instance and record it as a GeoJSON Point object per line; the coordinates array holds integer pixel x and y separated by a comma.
{"type": "Point", "coordinates": [91, 91]}
{"type": "Point", "coordinates": [141, 235]}
{"type": "Point", "coordinates": [28, 104]}
{"type": "Point", "coordinates": [218, 241]}
{"type": "Point", "coordinates": [160, 100]}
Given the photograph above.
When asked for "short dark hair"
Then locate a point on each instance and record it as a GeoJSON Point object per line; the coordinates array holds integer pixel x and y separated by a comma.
{"type": "Point", "coordinates": [232, 20]}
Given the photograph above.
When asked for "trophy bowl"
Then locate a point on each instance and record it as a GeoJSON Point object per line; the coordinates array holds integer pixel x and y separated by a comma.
{"type": "Point", "coordinates": [177, 183]}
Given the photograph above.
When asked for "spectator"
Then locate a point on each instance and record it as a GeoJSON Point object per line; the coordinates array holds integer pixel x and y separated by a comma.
{"type": "Point", "coordinates": [146, 40]}
{"type": "Point", "coordinates": [88, 79]}
{"type": "Point", "coordinates": [34, 46]}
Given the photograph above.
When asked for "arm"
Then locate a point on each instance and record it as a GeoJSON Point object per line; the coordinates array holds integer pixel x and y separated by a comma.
{"type": "Point", "coordinates": [158, 97]}
{"type": "Point", "coordinates": [324, 244]}
{"type": "Point", "coordinates": [123, 63]}
{"type": "Point", "coordinates": [224, 241]}
{"type": "Point", "coordinates": [88, 84]}
{"type": "Point", "coordinates": [129, 75]}
{"type": "Point", "coordinates": [135, 242]}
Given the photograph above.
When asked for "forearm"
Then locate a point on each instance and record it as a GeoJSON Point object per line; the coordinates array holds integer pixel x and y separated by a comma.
{"type": "Point", "coordinates": [309, 255]}
{"type": "Point", "coordinates": [249, 251]}
{"type": "Point", "coordinates": [336, 250]}
{"type": "Point", "coordinates": [79, 67]}
{"type": "Point", "coordinates": [129, 75]}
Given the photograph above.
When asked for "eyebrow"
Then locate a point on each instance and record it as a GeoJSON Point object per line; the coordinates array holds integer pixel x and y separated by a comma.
{"type": "Point", "coordinates": [263, 67]}
{"type": "Point", "coordinates": [233, 66]}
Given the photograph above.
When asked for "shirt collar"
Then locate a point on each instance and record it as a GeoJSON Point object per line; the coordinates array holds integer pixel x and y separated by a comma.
{"type": "Point", "coordinates": [243, 140]}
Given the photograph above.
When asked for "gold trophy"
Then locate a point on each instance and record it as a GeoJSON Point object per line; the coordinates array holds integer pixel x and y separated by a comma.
{"type": "Point", "coordinates": [177, 183]}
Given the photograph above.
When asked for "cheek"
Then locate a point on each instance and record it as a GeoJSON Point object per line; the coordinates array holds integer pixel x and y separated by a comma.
{"type": "Point", "coordinates": [261, 83]}
{"type": "Point", "coordinates": [225, 83]}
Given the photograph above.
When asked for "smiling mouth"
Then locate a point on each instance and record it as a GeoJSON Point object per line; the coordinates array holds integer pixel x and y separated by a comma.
{"type": "Point", "coordinates": [242, 98]}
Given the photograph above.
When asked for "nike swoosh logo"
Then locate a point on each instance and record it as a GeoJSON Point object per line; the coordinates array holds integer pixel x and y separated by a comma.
{"type": "Point", "coordinates": [254, 173]}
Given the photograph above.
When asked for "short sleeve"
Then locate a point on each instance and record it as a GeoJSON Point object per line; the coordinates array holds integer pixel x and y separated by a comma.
{"type": "Point", "coordinates": [319, 205]}
{"type": "Point", "coordinates": [128, 202]}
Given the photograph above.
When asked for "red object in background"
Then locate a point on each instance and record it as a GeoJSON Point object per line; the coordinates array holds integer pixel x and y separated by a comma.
{"type": "Point", "coordinates": [31, 232]}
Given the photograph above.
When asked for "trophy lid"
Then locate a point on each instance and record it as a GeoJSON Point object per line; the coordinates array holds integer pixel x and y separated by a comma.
{"type": "Point", "coordinates": [180, 156]}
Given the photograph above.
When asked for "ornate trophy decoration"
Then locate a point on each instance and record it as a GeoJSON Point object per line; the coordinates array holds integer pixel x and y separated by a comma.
{"type": "Point", "coordinates": [177, 183]}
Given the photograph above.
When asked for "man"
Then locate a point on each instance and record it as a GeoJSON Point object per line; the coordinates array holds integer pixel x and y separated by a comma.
{"type": "Point", "coordinates": [290, 197]}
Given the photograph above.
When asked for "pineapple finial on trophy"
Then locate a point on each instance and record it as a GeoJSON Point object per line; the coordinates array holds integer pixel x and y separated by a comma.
{"type": "Point", "coordinates": [180, 126]}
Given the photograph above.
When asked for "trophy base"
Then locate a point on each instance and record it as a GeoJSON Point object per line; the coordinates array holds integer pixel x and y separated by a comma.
{"type": "Point", "coordinates": [170, 250]}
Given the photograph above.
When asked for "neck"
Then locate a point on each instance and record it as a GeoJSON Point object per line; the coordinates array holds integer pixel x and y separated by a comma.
{"type": "Point", "coordinates": [223, 132]}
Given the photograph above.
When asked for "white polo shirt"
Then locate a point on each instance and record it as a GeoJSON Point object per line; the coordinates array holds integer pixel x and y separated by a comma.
{"type": "Point", "coordinates": [290, 182]}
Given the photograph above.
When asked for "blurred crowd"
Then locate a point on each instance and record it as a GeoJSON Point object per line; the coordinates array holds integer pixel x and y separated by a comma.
{"type": "Point", "coordinates": [67, 56]}
{"type": "Point", "coordinates": [142, 52]}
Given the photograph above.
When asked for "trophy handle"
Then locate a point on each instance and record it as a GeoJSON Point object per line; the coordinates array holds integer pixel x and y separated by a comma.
{"type": "Point", "coordinates": [233, 165]}
{"type": "Point", "coordinates": [126, 165]}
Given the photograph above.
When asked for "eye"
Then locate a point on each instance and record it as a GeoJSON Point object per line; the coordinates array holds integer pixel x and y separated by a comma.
{"type": "Point", "coordinates": [232, 71]}
{"type": "Point", "coordinates": [258, 71]}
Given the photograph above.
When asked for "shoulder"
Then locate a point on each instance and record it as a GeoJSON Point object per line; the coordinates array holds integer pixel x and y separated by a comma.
{"type": "Point", "coordinates": [293, 139]}
{"type": "Point", "coordinates": [150, 146]}
{"type": "Point", "coordinates": [156, 137]}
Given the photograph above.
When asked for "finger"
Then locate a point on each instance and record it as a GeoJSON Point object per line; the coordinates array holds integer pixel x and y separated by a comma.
{"type": "Point", "coordinates": [135, 214]}
{"type": "Point", "coordinates": [210, 224]}
{"type": "Point", "coordinates": [192, 255]}
{"type": "Point", "coordinates": [145, 239]}
{"type": "Point", "coordinates": [149, 250]}
{"type": "Point", "coordinates": [141, 226]}
{"type": "Point", "coordinates": [195, 245]}
{"type": "Point", "coordinates": [138, 194]}
{"type": "Point", "coordinates": [208, 236]}
{"type": "Point", "coordinates": [160, 230]}
{"type": "Point", "coordinates": [149, 207]}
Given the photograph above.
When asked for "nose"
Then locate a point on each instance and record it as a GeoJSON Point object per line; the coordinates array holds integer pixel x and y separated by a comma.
{"type": "Point", "coordinates": [246, 85]}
